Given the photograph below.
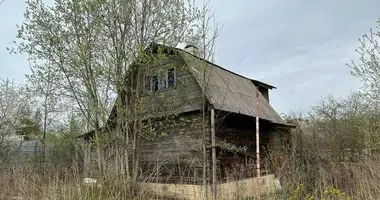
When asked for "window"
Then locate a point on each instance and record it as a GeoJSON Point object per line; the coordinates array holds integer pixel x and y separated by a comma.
{"type": "Point", "coordinates": [164, 79]}
{"type": "Point", "coordinates": [171, 78]}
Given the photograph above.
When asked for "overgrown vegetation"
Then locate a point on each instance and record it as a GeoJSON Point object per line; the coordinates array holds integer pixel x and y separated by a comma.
{"type": "Point", "coordinates": [83, 54]}
{"type": "Point", "coordinates": [335, 147]}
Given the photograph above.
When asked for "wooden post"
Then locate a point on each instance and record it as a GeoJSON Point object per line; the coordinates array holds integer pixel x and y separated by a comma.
{"type": "Point", "coordinates": [257, 142]}
{"type": "Point", "coordinates": [213, 152]}
{"type": "Point", "coordinates": [86, 159]}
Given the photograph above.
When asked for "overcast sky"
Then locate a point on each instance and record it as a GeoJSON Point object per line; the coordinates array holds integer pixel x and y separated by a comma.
{"type": "Point", "coordinates": [299, 46]}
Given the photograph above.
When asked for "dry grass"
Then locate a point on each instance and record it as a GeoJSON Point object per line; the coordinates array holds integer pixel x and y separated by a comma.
{"type": "Point", "coordinates": [32, 184]}
{"type": "Point", "coordinates": [315, 168]}
{"type": "Point", "coordinates": [309, 172]}
{"type": "Point", "coordinates": [357, 180]}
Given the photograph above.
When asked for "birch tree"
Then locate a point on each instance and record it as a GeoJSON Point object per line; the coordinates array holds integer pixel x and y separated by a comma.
{"type": "Point", "coordinates": [66, 36]}
{"type": "Point", "coordinates": [207, 33]}
{"type": "Point", "coordinates": [367, 67]}
{"type": "Point", "coordinates": [13, 99]}
{"type": "Point", "coordinates": [90, 45]}
{"type": "Point", "coordinates": [45, 85]}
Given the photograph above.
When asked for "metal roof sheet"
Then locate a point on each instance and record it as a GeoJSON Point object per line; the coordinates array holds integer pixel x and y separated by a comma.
{"type": "Point", "coordinates": [228, 91]}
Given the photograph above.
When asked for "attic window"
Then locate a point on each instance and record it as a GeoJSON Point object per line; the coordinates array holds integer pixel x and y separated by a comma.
{"type": "Point", "coordinates": [164, 79]}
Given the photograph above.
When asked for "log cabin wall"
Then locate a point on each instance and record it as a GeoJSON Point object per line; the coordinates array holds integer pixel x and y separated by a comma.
{"type": "Point", "coordinates": [172, 147]}
{"type": "Point", "coordinates": [171, 104]}
{"type": "Point", "coordinates": [175, 148]}
{"type": "Point", "coordinates": [169, 88]}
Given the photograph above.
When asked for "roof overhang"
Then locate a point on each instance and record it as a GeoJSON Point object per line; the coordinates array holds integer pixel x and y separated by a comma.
{"type": "Point", "coordinates": [262, 84]}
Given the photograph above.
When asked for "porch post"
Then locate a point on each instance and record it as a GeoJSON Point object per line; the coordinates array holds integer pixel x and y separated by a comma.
{"type": "Point", "coordinates": [213, 152]}
{"type": "Point", "coordinates": [257, 142]}
{"type": "Point", "coordinates": [86, 159]}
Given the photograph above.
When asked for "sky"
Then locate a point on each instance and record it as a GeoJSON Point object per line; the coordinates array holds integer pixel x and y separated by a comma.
{"type": "Point", "coordinates": [299, 46]}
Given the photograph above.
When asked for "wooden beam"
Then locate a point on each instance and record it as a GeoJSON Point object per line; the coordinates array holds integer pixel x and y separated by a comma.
{"type": "Point", "coordinates": [213, 151]}
{"type": "Point", "coordinates": [257, 141]}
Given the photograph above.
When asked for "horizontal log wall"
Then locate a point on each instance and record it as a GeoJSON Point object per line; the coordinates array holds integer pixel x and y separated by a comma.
{"type": "Point", "coordinates": [186, 96]}
{"type": "Point", "coordinates": [176, 140]}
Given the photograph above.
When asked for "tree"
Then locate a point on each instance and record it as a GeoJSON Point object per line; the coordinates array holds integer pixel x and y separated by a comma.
{"type": "Point", "coordinates": [90, 45]}
{"type": "Point", "coordinates": [44, 83]}
{"type": "Point", "coordinates": [328, 145]}
{"type": "Point", "coordinates": [15, 104]}
{"type": "Point", "coordinates": [367, 68]}
{"type": "Point", "coordinates": [205, 38]}
{"type": "Point", "coordinates": [14, 116]}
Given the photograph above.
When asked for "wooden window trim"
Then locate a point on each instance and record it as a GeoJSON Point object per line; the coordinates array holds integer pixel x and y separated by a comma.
{"type": "Point", "coordinates": [151, 89]}
{"type": "Point", "coordinates": [175, 77]}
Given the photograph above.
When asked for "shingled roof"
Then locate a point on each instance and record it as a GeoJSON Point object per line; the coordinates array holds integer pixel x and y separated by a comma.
{"type": "Point", "coordinates": [228, 91]}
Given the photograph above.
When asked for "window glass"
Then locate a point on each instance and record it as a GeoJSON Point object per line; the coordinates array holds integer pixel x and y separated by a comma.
{"type": "Point", "coordinates": [162, 81]}
{"type": "Point", "coordinates": [155, 83]}
{"type": "Point", "coordinates": [165, 79]}
{"type": "Point", "coordinates": [171, 77]}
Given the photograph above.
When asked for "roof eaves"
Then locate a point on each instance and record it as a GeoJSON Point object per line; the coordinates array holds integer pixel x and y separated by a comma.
{"type": "Point", "coordinates": [261, 84]}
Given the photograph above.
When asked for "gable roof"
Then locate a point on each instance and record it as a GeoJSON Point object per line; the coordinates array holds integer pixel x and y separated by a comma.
{"type": "Point", "coordinates": [224, 89]}
{"type": "Point", "coordinates": [229, 91]}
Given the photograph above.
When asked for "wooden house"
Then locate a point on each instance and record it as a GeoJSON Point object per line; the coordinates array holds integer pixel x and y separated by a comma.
{"type": "Point", "coordinates": [185, 98]}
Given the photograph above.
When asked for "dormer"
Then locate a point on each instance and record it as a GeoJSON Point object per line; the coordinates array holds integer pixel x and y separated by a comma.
{"type": "Point", "coordinates": [263, 88]}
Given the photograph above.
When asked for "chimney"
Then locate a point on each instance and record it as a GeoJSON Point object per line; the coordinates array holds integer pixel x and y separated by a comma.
{"type": "Point", "coordinates": [192, 49]}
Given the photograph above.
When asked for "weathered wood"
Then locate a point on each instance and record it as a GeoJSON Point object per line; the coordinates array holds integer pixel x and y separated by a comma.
{"type": "Point", "coordinates": [172, 134]}
{"type": "Point", "coordinates": [186, 96]}
{"type": "Point", "coordinates": [178, 141]}
{"type": "Point", "coordinates": [257, 140]}
{"type": "Point", "coordinates": [87, 159]}
{"type": "Point", "coordinates": [213, 143]}
{"type": "Point", "coordinates": [182, 140]}
{"type": "Point", "coordinates": [265, 92]}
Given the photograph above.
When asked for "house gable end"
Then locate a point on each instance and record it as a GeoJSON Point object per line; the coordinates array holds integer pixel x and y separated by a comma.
{"type": "Point", "coordinates": [186, 96]}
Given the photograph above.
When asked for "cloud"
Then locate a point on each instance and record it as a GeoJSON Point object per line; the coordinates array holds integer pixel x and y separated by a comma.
{"type": "Point", "coordinates": [299, 46]}
{"type": "Point", "coordinates": [306, 77]}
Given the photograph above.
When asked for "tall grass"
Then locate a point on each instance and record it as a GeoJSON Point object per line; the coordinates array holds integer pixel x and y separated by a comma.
{"type": "Point", "coordinates": [320, 165]}
{"type": "Point", "coordinates": [300, 180]}
{"type": "Point", "coordinates": [312, 168]}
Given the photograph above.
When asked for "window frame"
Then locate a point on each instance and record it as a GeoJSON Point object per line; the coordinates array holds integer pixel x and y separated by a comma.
{"type": "Point", "coordinates": [174, 77]}
{"type": "Point", "coordinates": [153, 84]}
{"type": "Point", "coordinates": [162, 74]}
{"type": "Point", "coordinates": [159, 76]}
